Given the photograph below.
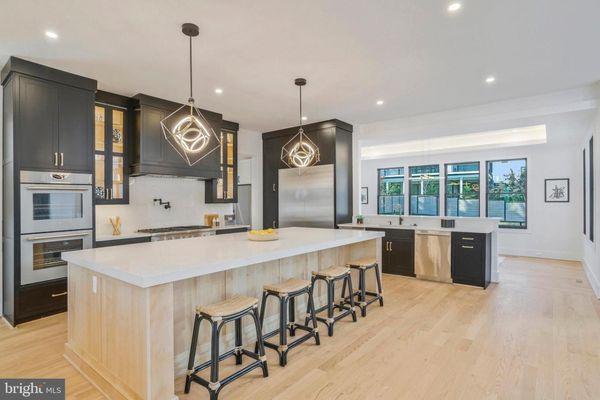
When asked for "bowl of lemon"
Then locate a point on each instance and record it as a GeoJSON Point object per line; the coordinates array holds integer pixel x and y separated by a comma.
{"type": "Point", "coordinates": [263, 235]}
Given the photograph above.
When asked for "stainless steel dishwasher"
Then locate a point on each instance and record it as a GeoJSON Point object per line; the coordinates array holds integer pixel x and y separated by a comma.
{"type": "Point", "coordinates": [432, 255]}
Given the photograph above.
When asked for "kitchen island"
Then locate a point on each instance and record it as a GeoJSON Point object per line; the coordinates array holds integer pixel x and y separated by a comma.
{"type": "Point", "coordinates": [131, 307]}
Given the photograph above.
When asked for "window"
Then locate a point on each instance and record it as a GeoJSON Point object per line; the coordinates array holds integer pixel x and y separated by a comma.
{"type": "Point", "coordinates": [424, 190]}
{"type": "Point", "coordinates": [507, 192]}
{"type": "Point", "coordinates": [462, 189]}
{"type": "Point", "coordinates": [390, 195]}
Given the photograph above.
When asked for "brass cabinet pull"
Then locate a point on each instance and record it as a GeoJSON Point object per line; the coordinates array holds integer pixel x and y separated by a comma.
{"type": "Point", "coordinates": [58, 294]}
{"type": "Point", "coordinates": [274, 189]}
{"type": "Point", "coordinates": [62, 159]}
{"type": "Point", "coordinates": [467, 247]}
{"type": "Point", "coordinates": [56, 159]}
{"type": "Point", "coordinates": [391, 249]}
{"type": "Point", "coordinates": [468, 238]}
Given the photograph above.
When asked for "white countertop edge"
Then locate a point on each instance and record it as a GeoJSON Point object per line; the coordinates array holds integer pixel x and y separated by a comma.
{"type": "Point", "coordinates": [133, 235]}
{"type": "Point", "coordinates": [419, 228]}
{"type": "Point", "coordinates": [208, 267]}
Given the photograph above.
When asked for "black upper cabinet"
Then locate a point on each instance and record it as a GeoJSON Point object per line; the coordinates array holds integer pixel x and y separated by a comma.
{"type": "Point", "coordinates": [334, 139]}
{"type": "Point", "coordinates": [53, 117]}
{"type": "Point", "coordinates": [75, 132]}
{"type": "Point", "coordinates": [224, 188]}
{"type": "Point", "coordinates": [153, 154]}
{"type": "Point", "coordinates": [38, 120]}
{"type": "Point", "coordinates": [112, 119]}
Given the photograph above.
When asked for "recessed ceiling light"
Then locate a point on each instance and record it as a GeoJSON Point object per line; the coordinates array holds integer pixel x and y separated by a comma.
{"type": "Point", "coordinates": [51, 35]}
{"type": "Point", "coordinates": [219, 91]}
{"type": "Point", "coordinates": [490, 79]}
{"type": "Point", "coordinates": [454, 7]}
{"type": "Point", "coordinates": [304, 118]}
{"type": "Point", "coordinates": [379, 102]}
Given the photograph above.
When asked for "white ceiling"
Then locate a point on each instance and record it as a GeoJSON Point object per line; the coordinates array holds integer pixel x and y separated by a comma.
{"type": "Point", "coordinates": [412, 54]}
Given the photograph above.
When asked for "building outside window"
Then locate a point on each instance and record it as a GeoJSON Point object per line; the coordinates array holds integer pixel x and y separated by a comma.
{"type": "Point", "coordinates": [462, 189]}
{"type": "Point", "coordinates": [424, 190]}
{"type": "Point", "coordinates": [390, 195]}
{"type": "Point", "coordinates": [507, 192]}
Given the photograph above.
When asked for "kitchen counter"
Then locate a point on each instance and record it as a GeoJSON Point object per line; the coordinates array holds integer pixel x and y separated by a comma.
{"type": "Point", "coordinates": [133, 235]}
{"type": "Point", "coordinates": [480, 229]}
{"type": "Point", "coordinates": [131, 308]}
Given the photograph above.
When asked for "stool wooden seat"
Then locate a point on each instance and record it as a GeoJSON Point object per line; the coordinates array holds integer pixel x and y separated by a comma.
{"type": "Point", "coordinates": [219, 314]}
{"type": "Point", "coordinates": [227, 307]}
{"type": "Point", "coordinates": [291, 285]}
{"type": "Point", "coordinates": [332, 272]}
{"type": "Point", "coordinates": [363, 265]}
{"type": "Point", "coordinates": [330, 276]}
{"type": "Point", "coordinates": [287, 292]}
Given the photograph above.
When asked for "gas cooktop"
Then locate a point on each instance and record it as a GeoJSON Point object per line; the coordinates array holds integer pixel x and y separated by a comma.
{"type": "Point", "coordinates": [170, 229]}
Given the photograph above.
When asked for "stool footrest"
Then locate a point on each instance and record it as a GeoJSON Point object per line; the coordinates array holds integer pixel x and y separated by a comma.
{"type": "Point", "coordinates": [228, 379]}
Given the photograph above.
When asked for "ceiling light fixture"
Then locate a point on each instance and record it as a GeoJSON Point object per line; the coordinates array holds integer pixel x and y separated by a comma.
{"type": "Point", "coordinates": [300, 151]}
{"type": "Point", "coordinates": [219, 91]}
{"type": "Point", "coordinates": [188, 132]}
{"type": "Point", "coordinates": [490, 79]}
{"type": "Point", "coordinates": [304, 118]}
{"type": "Point", "coordinates": [51, 35]}
{"type": "Point", "coordinates": [379, 102]}
{"type": "Point", "coordinates": [454, 7]}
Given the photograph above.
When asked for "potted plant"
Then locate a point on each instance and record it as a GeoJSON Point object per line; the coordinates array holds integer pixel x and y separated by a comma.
{"type": "Point", "coordinates": [360, 219]}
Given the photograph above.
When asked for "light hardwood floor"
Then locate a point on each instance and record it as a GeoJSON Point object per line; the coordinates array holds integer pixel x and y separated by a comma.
{"type": "Point", "coordinates": [534, 336]}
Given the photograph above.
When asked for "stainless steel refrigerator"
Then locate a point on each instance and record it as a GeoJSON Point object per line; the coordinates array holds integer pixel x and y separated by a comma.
{"type": "Point", "coordinates": [307, 197]}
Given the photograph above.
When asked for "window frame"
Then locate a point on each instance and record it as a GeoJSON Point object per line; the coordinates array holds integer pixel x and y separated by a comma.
{"type": "Point", "coordinates": [487, 192]}
{"type": "Point", "coordinates": [446, 186]}
{"type": "Point", "coordinates": [437, 214]}
{"type": "Point", "coordinates": [591, 191]}
{"type": "Point", "coordinates": [379, 188]}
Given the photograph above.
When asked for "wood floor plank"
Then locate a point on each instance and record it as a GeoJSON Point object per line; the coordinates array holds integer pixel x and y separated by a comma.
{"type": "Point", "coordinates": [534, 336]}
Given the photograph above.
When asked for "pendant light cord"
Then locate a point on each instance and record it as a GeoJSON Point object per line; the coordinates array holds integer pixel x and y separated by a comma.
{"type": "Point", "coordinates": [191, 86]}
{"type": "Point", "coordinates": [300, 105]}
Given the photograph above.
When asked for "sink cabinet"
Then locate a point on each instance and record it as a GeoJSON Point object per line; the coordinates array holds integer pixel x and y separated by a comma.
{"type": "Point", "coordinates": [398, 251]}
{"type": "Point", "coordinates": [471, 258]}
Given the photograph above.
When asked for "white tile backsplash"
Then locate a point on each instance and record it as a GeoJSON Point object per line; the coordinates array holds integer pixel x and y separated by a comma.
{"type": "Point", "coordinates": [185, 195]}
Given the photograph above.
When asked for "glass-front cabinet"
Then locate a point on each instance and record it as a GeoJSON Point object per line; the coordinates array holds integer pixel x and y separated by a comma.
{"type": "Point", "coordinates": [224, 188]}
{"type": "Point", "coordinates": [110, 141]}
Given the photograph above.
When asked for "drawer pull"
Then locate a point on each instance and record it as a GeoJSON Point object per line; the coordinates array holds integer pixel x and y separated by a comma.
{"type": "Point", "coordinates": [58, 294]}
{"type": "Point", "coordinates": [467, 247]}
{"type": "Point", "coordinates": [468, 238]}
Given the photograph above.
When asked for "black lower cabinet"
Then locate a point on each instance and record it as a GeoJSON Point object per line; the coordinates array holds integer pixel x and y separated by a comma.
{"type": "Point", "coordinates": [41, 299]}
{"type": "Point", "coordinates": [471, 258]}
{"type": "Point", "coordinates": [232, 230]}
{"type": "Point", "coordinates": [398, 251]}
{"type": "Point", "coordinates": [121, 242]}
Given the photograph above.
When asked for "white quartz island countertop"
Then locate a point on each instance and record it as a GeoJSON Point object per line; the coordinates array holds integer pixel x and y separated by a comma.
{"type": "Point", "coordinates": [156, 263]}
{"type": "Point", "coordinates": [472, 229]}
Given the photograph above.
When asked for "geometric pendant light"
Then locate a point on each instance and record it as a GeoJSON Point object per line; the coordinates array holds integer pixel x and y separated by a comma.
{"type": "Point", "coordinates": [300, 151]}
{"type": "Point", "coordinates": [186, 129]}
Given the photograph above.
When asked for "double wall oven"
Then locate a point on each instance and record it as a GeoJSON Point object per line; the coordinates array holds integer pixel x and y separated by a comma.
{"type": "Point", "coordinates": [56, 216]}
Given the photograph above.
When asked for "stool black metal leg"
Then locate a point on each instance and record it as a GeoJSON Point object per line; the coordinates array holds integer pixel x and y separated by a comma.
{"type": "Point", "coordinates": [330, 296]}
{"type": "Point", "coordinates": [344, 293]}
{"type": "Point", "coordinates": [238, 341]}
{"type": "Point", "coordinates": [263, 307]}
{"type": "Point", "coordinates": [283, 308]}
{"type": "Point", "coordinates": [362, 290]}
{"type": "Point", "coordinates": [312, 287]}
{"type": "Point", "coordinates": [292, 316]}
{"type": "Point", "coordinates": [259, 343]}
{"type": "Point", "coordinates": [349, 278]}
{"type": "Point", "coordinates": [188, 378]}
{"type": "Point", "coordinates": [214, 353]}
{"type": "Point", "coordinates": [311, 310]}
{"type": "Point", "coordinates": [379, 289]}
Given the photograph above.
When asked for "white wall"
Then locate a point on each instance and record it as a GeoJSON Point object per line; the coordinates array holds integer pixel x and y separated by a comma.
{"type": "Point", "coordinates": [591, 250]}
{"type": "Point", "coordinates": [185, 195]}
{"type": "Point", "coordinates": [553, 228]}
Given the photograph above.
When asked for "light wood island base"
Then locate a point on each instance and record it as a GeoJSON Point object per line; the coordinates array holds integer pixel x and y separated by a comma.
{"type": "Point", "coordinates": [133, 342]}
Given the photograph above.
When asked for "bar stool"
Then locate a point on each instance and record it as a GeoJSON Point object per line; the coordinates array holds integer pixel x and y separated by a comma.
{"type": "Point", "coordinates": [287, 292]}
{"type": "Point", "coordinates": [363, 265]}
{"type": "Point", "coordinates": [219, 314]}
{"type": "Point", "coordinates": [330, 276]}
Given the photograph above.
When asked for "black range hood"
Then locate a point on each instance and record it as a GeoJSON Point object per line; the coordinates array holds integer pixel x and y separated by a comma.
{"type": "Point", "coordinates": [151, 152]}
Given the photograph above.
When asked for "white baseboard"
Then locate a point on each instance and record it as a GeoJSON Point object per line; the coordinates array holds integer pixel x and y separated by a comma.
{"type": "Point", "coordinates": [592, 278]}
{"type": "Point", "coordinates": [552, 254]}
